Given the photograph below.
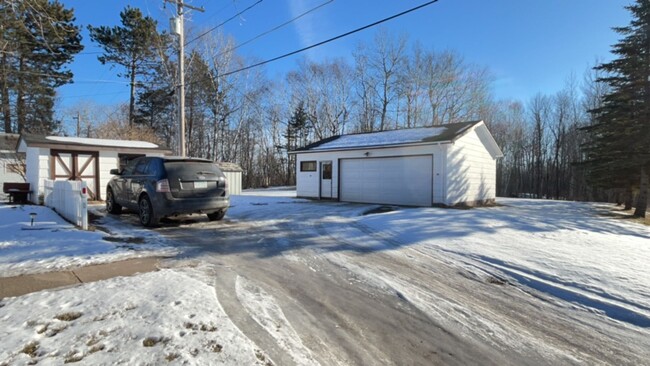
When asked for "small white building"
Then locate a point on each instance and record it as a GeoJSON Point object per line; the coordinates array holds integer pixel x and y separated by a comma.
{"type": "Point", "coordinates": [448, 165]}
{"type": "Point", "coordinates": [77, 158]}
{"type": "Point", "coordinates": [12, 167]}
{"type": "Point", "coordinates": [233, 173]}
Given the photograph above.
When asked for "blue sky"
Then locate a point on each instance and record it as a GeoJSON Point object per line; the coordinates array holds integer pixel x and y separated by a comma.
{"type": "Point", "coordinates": [530, 46]}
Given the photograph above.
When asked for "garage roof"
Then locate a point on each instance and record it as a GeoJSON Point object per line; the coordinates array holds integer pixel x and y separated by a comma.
{"type": "Point", "coordinates": [78, 143]}
{"type": "Point", "coordinates": [437, 134]}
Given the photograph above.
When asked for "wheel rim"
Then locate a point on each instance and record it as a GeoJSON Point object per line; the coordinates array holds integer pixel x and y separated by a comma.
{"type": "Point", "coordinates": [109, 201]}
{"type": "Point", "coordinates": [144, 211]}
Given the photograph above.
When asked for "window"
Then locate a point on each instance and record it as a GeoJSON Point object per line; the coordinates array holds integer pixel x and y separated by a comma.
{"type": "Point", "coordinates": [141, 168]}
{"type": "Point", "coordinates": [327, 170]}
{"type": "Point", "coordinates": [307, 166]}
{"type": "Point", "coordinates": [126, 158]}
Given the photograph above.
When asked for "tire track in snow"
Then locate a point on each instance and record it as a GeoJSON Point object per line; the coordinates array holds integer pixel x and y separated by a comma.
{"type": "Point", "coordinates": [263, 308]}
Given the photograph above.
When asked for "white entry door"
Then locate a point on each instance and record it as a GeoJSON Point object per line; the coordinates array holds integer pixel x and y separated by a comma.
{"type": "Point", "coordinates": [401, 180]}
{"type": "Point", "coordinates": [325, 179]}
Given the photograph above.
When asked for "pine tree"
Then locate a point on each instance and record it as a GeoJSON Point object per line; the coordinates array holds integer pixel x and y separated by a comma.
{"type": "Point", "coordinates": [134, 45]}
{"type": "Point", "coordinates": [619, 148]}
{"type": "Point", "coordinates": [37, 38]}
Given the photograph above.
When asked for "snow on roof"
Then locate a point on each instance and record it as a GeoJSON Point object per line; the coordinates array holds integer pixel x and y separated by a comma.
{"type": "Point", "coordinates": [442, 133]}
{"type": "Point", "coordinates": [382, 138]}
{"type": "Point", "coordinates": [104, 142]}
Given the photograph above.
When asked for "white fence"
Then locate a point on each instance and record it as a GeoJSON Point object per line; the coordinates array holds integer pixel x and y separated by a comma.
{"type": "Point", "coordinates": [69, 199]}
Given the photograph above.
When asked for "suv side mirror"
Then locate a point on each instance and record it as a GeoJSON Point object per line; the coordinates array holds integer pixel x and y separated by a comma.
{"type": "Point", "coordinates": [115, 172]}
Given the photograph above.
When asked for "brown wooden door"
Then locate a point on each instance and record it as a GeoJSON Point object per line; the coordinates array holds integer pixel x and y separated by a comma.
{"type": "Point", "coordinates": [77, 165]}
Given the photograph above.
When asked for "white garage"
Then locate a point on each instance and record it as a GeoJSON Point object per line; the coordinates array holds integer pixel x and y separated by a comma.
{"type": "Point", "coordinates": [77, 158]}
{"type": "Point", "coordinates": [449, 165]}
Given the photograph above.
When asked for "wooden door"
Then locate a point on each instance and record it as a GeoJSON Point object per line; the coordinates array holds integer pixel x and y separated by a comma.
{"type": "Point", "coordinates": [77, 165]}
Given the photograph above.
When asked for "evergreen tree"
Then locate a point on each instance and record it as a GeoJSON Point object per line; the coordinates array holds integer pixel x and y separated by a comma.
{"type": "Point", "coordinates": [618, 151]}
{"type": "Point", "coordinates": [37, 38]}
{"type": "Point", "coordinates": [134, 45]}
{"type": "Point", "coordinates": [297, 135]}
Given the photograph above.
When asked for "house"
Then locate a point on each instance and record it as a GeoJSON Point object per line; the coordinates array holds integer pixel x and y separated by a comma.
{"type": "Point", "coordinates": [233, 173]}
{"type": "Point", "coordinates": [12, 167]}
{"type": "Point", "coordinates": [77, 158]}
{"type": "Point", "coordinates": [448, 165]}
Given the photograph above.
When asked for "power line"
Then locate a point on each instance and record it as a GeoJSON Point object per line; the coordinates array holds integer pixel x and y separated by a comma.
{"type": "Point", "coordinates": [330, 39]}
{"type": "Point", "coordinates": [274, 28]}
{"type": "Point", "coordinates": [224, 22]}
{"type": "Point", "coordinates": [90, 95]}
{"type": "Point", "coordinates": [55, 76]}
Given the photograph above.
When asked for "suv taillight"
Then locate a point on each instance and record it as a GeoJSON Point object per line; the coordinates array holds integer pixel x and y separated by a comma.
{"type": "Point", "coordinates": [221, 183]}
{"type": "Point", "coordinates": [162, 186]}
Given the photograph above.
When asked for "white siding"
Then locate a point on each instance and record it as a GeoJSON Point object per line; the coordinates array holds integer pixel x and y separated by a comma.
{"type": "Point", "coordinates": [7, 175]}
{"type": "Point", "coordinates": [233, 180]}
{"type": "Point", "coordinates": [107, 160]}
{"type": "Point", "coordinates": [307, 183]}
{"type": "Point", "coordinates": [38, 168]}
{"type": "Point", "coordinates": [471, 171]}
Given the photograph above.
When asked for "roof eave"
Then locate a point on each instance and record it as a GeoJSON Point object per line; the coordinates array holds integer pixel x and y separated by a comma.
{"type": "Point", "coordinates": [385, 146]}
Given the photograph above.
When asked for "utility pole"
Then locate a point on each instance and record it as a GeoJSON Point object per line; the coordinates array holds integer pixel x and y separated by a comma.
{"type": "Point", "coordinates": [78, 118]}
{"type": "Point", "coordinates": [178, 27]}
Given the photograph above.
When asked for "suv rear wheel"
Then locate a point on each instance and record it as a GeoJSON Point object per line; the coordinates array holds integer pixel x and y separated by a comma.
{"type": "Point", "coordinates": [145, 212]}
{"type": "Point", "coordinates": [216, 216]}
{"type": "Point", "coordinates": [112, 206]}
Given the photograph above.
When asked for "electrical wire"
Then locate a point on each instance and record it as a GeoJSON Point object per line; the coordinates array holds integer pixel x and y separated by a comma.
{"type": "Point", "coordinates": [222, 23]}
{"type": "Point", "coordinates": [275, 28]}
{"type": "Point", "coordinates": [329, 40]}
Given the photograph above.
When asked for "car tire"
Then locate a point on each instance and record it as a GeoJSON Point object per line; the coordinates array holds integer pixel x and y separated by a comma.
{"type": "Point", "coordinates": [145, 212]}
{"type": "Point", "coordinates": [112, 206]}
{"type": "Point", "coordinates": [216, 216]}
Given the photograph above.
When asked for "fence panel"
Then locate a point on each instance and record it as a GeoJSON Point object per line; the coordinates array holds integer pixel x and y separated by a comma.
{"type": "Point", "coordinates": [69, 199]}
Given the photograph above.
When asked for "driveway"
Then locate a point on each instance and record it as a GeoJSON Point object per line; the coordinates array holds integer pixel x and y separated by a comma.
{"type": "Point", "coordinates": [310, 284]}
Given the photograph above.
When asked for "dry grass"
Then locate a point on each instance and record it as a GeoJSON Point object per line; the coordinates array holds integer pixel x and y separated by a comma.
{"type": "Point", "coordinates": [152, 341]}
{"type": "Point", "coordinates": [73, 357]}
{"type": "Point", "coordinates": [97, 348]}
{"type": "Point", "coordinates": [214, 346]}
{"type": "Point", "coordinates": [69, 316]}
{"type": "Point", "coordinates": [172, 356]}
{"type": "Point", "coordinates": [31, 349]}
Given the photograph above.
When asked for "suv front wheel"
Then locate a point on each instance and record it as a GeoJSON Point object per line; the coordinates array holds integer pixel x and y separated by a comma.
{"type": "Point", "coordinates": [146, 213]}
{"type": "Point", "coordinates": [112, 206]}
{"type": "Point", "coordinates": [216, 216]}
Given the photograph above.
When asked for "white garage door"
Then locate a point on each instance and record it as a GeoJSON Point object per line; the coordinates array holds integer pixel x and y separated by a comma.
{"type": "Point", "coordinates": [405, 180]}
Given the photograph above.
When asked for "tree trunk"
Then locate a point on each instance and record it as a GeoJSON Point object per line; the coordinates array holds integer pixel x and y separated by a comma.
{"type": "Point", "coordinates": [132, 95]}
{"type": "Point", "coordinates": [4, 95]}
{"type": "Point", "coordinates": [20, 98]}
{"type": "Point", "coordinates": [642, 197]}
{"type": "Point", "coordinates": [627, 199]}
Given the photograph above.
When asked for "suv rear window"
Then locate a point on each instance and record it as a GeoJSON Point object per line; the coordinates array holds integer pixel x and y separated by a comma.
{"type": "Point", "coordinates": [191, 169]}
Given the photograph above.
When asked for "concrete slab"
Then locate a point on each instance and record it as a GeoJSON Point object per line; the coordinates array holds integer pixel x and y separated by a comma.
{"type": "Point", "coordinates": [25, 284]}
{"type": "Point", "coordinates": [127, 267]}
{"type": "Point", "coordinates": [21, 285]}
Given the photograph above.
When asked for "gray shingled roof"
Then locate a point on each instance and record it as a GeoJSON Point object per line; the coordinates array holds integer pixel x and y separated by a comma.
{"type": "Point", "coordinates": [443, 133]}
{"type": "Point", "coordinates": [229, 167]}
{"type": "Point", "coordinates": [8, 141]}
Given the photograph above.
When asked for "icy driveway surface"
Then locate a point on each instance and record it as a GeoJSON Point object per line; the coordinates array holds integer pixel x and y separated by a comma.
{"type": "Point", "coordinates": [534, 282]}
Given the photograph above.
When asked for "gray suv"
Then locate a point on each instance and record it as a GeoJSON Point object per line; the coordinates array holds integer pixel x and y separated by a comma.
{"type": "Point", "coordinates": [158, 187]}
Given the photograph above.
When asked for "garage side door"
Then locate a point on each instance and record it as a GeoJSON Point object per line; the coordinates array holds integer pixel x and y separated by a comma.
{"type": "Point", "coordinates": [404, 180]}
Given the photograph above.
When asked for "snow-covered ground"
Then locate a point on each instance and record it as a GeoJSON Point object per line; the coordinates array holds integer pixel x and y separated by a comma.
{"type": "Point", "coordinates": [568, 250]}
{"type": "Point", "coordinates": [126, 320]}
{"type": "Point", "coordinates": [572, 254]}
{"type": "Point", "coordinates": [53, 243]}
